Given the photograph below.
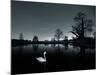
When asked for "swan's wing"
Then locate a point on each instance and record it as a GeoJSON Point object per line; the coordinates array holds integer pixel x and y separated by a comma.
{"type": "Point", "coordinates": [41, 59]}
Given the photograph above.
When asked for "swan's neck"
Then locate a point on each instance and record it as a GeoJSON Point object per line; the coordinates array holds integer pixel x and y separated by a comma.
{"type": "Point", "coordinates": [44, 56]}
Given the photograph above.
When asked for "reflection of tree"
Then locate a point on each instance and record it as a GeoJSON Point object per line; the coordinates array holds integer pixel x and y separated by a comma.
{"type": "Point", "coordinates": [35, 50]}
{"type": "Point", "coordinates": [66, 47]}
{"type": "Point", "coordinates": [58, 52]}
{"type": "Point", "coordinates": [82, 24]}
{"type": "Point", "coordinates": [58, 34]}
{"type": "Point", "coordinates": [35, 44]}
{"type": "Point", "coordinates": [82, 56]}
{"type": "Point", "coordinates": [53, 45]}
{"type": "Point", "coordinates": [35, 47]}
{"type": "Point", "coordinates": [53, 40]}
{"type": "Point", "coordinates": [20, 53]}
{"type": "Point", "coordinates": [65, 40]}
{"type": "Point", "coordinates": [21, 48]}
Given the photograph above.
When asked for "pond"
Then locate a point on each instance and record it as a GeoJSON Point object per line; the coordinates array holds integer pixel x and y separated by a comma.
{"type": "Point", "coordinates": [58, 58]}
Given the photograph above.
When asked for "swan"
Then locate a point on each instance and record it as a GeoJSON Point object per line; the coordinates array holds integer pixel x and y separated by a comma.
{"type": "Point", "coordinates": [42, 59]}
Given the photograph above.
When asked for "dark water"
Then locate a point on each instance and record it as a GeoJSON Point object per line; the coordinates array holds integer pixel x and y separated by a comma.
{"type": "Point", "coordinates": [59, 58]}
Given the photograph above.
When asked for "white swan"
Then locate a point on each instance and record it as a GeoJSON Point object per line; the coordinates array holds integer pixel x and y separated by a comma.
{"type": "Point", "coordinates": [42, 59]}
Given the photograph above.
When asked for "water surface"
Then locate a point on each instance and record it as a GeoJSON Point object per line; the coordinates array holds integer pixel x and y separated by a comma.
{"type": "Point", "coordinates": [59, 58]}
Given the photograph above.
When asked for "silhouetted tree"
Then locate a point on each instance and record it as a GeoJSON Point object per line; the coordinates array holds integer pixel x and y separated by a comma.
{"type": "Point", "coordinates": [46, 42]}
{"type": "Point", "coordinates": [35, 38]}
{"type": "Point", "coordinates": [21, 36]}
{"type": "Point", "coordinates": [66, 38]}
{"type": "Point", "coordinates": [58, 34]}
{"type": "Point", "coordinates": [66, 41]}
{"type": "Point", "coordinates": [82, 25]}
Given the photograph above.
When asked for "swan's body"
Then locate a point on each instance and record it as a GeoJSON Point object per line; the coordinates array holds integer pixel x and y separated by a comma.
{"type": "Point", "coordinates": [42, 59]}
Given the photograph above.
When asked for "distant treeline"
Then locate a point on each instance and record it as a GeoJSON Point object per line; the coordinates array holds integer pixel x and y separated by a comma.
{"type": "Point", "coordinates": [88, 42]}
{"type": "Point", "coordinates": [18, 42]}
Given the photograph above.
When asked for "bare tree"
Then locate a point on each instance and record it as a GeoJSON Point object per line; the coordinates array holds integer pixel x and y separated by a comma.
{"type": "Point", "coordinates": [82, 25]}
{"type": "Point", "coordinates": [21, 36]}
{"type": "Point", "coordinates": [66, 38]}
{"type": "Point", "coordinates": [35, 38]}
{"type": "Point", "coordinates": [58, 34]}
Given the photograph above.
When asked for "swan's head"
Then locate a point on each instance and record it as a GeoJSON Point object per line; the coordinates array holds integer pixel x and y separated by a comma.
{"type": "Point", "coordinates": [45, 52]}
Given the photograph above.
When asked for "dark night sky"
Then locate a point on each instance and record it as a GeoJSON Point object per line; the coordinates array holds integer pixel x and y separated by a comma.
{"type": "Point", "coordinates": [42, 19]}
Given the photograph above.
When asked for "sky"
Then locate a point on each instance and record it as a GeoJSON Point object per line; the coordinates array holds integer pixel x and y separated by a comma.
{"type": "Point", "coordinates": [42, 19]}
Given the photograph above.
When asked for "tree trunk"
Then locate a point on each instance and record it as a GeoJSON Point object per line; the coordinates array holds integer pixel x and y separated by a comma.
{"type": "Point", "coordinates": [82, 34]}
